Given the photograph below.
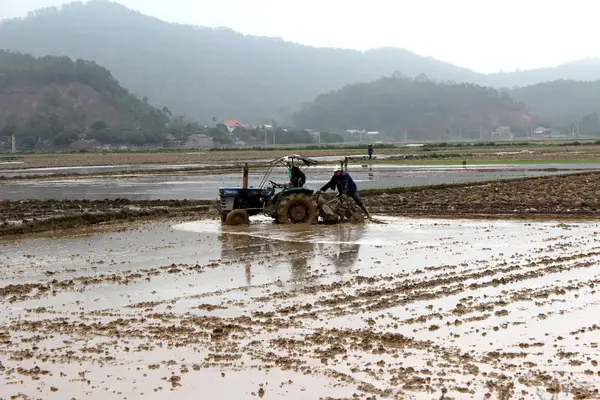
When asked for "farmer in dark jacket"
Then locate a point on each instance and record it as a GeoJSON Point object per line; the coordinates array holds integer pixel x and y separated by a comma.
{"type": "Point", "coordinates": [297, 177]}
{"type": "Point", "coordinates": [345, 185]}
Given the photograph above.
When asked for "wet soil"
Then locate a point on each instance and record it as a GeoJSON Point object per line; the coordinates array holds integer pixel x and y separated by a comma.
{"type": "Point", "coordinates": [409, 310]}
{"type": "Point", "coordinates": [572, 196]}
{"type": "Point", "coordinates": [22, 218]}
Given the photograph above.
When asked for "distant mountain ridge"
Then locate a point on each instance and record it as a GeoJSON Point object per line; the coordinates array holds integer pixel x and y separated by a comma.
{"type": "Point", "coordinates": [581, 70]}
{"type": "Point", "coordinates": [220, 73]}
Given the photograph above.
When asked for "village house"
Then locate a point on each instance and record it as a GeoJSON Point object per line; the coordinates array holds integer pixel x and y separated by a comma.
{"type": "Point", "coordinates": [503, 133]}
{"type": "Point", "coordinates": [44, 145]}
{"type": "Point", "coordinates": [541, 131]}
{"type": "Point", "coordinates": [198, 141]}
{"type": "Point", "coordinates": [7, 143]}
{"type": "Point", "coordinates": [84, 144]}
{"type": "Point", "coordinates": [195, 141]}
{"type": "Point", "coordinates": [231, 124]}
{"type": "Point", "coordinates": [171, 142]}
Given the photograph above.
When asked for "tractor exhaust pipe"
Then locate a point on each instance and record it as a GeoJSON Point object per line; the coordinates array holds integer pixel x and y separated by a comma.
{"type": "Point", "coordinates": [245, 178]}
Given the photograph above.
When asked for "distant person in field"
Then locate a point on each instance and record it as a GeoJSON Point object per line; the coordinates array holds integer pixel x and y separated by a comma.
{"type": "Point", "coordinates": [370, 151]}
{"type": "Point", "coordinates": [345, 185]}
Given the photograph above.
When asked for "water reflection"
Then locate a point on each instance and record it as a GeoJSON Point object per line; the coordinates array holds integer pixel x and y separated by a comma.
{"type": "Point", "coordinates": [308, 251]}
{"type": "Point", "coordinates": [344, 248]}
{"type": "Point", "coordinates": [371, 175]}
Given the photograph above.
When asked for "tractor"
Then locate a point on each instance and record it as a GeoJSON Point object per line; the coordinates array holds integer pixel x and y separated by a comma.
{"type": "Point", "coordinates": [292, 204]}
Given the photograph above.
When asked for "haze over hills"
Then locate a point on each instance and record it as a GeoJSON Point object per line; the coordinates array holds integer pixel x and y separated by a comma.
{"type": "Point", "coordinates": [582, 70]}
{"type": "Point", "coordinates": [219, 73]}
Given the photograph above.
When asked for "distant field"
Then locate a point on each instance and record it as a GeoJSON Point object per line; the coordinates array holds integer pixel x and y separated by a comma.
{"type": "Point", "coordinates": [431, 153]}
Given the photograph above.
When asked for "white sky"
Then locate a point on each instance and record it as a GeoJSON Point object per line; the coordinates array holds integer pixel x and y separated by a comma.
{"type": "Point", "coordinates": [483, 35]}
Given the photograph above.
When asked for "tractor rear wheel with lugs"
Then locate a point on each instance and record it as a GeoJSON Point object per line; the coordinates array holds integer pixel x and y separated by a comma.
{"type": "Point", "coordinates": [297, 209]}
{"type": "Point", "coordinates": [237, 217]}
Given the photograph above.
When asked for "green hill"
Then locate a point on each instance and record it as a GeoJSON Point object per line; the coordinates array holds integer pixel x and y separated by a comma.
{"type": "Point", "coordinates": [424, 108]}
{"type": "Point", "coordinates": [563, 103]}
{"type": "Point", "coordinates": [59, 100]}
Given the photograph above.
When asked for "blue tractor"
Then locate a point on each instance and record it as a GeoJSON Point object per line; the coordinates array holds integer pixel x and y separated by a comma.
{"type": "Point", "coordinates": [288, 203]}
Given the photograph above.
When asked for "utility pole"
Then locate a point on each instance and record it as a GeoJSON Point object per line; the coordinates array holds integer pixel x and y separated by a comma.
{"type": "Point", "coordinates": [13, 145]}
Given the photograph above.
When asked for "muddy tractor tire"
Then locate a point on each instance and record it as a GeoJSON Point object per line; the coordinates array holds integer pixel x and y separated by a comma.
{"type": "Point", "coordinates": [237, 217]}
{"type": "Point", "coordinates": [297, 209]}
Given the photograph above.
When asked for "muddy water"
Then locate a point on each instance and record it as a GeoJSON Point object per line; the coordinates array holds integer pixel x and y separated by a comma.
{"type": "Point", "coordinates": [205, 187]}
{"type": "Point", "coordinates": [407, 309]}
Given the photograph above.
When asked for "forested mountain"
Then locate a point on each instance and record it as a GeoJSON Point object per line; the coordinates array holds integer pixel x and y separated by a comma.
{"type": "Point", "coordinates": [58, 99]}
{"type": "Point", "coordinates": [563, 103]}
{"type": "Point", "coordinates": [206, 72]}
{"type": "Point", "coordinates": [425, 108]}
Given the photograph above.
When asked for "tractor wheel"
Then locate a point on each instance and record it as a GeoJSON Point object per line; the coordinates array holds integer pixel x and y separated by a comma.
{"type": "Point", "coordinates": [237, 217]}
{"type": "Point", "coordinates": [297, 209]}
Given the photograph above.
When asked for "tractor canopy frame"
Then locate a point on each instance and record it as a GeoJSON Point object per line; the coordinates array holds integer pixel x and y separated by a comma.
{"type": "Point", "coordinates": [289, 161]}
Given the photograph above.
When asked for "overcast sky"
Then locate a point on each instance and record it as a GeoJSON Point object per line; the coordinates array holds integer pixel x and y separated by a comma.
{"type": "Point", "coordinates": [483, 35]}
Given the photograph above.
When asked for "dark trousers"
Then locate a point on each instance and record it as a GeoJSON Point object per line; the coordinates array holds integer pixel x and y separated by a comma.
{"type": "Point", "coordinates": [356, 197]}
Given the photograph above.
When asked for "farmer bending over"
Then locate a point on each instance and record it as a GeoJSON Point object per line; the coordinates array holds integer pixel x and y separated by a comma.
{"type": "Point", "coordinates": [345, 185]}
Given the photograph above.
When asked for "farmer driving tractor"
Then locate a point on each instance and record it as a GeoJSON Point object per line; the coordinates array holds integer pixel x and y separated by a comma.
{"type": "Point", "coordinates": [345, 185]}
{"type": "Point", "coordinates": [297, 177]}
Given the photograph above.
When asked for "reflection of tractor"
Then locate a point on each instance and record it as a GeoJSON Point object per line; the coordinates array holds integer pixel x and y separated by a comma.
{"type": "Point", "coordinates": [292, 205]}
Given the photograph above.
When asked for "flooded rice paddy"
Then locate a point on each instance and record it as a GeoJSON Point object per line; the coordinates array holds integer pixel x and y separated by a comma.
{"type": "Point", "coordinates": [204, 186]}
{"type": "Point", "coordinates": [414, 309]}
